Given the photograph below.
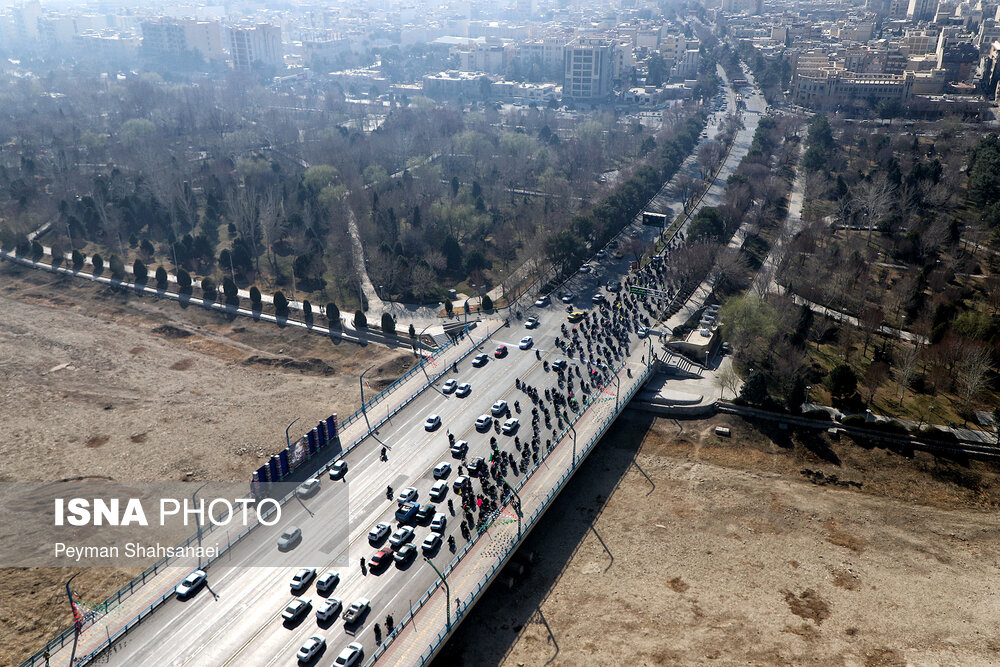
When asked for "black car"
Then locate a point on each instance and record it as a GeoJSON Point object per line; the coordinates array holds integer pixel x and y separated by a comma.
{"type": "Point", "coordinates": [477, 466]}
{"type": "Point", "coordinates": [426, 512]}
{"type": "Point", "coordinates": [405, 554]}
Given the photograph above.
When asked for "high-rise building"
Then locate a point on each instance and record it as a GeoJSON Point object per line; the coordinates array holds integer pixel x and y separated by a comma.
{"type": "Point", "coordinates": [171, 37]}
{"type": "Point", "coordinates": [260, 44]}
{"type": "Point", "coordinates": [921, 10]}
{"type": "Point", "coordinates": [587, 69]}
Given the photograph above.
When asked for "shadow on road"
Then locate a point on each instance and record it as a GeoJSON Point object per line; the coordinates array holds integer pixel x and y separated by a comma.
{"type": "Point", "coordinates": [489, 632]}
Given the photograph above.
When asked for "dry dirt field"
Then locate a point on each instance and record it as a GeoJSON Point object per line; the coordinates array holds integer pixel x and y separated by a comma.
{"type": "Point", "coordinates": [99, 384]}
{"type": "Point", "coordinates": [677, 547]}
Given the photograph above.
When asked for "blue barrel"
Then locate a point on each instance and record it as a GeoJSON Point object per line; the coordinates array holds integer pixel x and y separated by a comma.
{"type": "Point", "coordinates": [331, 427]}
{"type": "Point", "coordinates": [262, 474]}
{"type": "Point", "coordinates": [321, 429]}
{"type": "Point", "coordinates": [283, 462]}
{"type": "Point", "coordinates": [312, 440]}
{"type": "Point", "coordinates": [273, 474]}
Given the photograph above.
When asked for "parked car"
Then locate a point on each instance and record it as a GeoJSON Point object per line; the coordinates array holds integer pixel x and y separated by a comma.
{"type": "Point", "coordinates": [431, 543]}
{"type": "Point", "coordinates": [613, 286]}
{"type": "Point", "coordinates": [327, 582]}
{"type": "Point", "coordinates": [510, 426]}
{"type": "Point", "coordinates": [449, 386]}
{"type": "Point", "coordinates": [442, 470]}
{"type": "Point", "coordinates": [350, 656]}
{"type": "Point", "coordinates": [191, 583]}
{"type": "Point", "coordinates": [405, 554]}
{"type": "Point", "coordinates": [407, 495]}
{"type": "Point", "coordinates": [400, 537]}
{"type": "Point", "coordinates": [439, 522]}
{"type": "Point", "coordinates": [575, 316]}
{"type": "Point", "coordinates": [463, 390]}
{"type": "Point", "coordinates": [476, 466]}
{"type": "Point", "coordinates": [568, 297]}
{"type": "Point", "coordinates": [338, 470]}
{"type": "Point", "coordinates": [531, 323]}
{"type": "Point", "coordinates": [311, 648]}
{"type": "Point", "coordinates": [308, 488]}
{"type": "Point", "coordinates": [426, 511]}
{"type": "Point", "coordinates": [586, 268]}
{"type": "Point", "coordinates": [459, 482]}
{"type": "Point", "coordinates": [598, 298]}
{"type": "Point", "coordinates": [483, 423]}
{"type": "Point", "coordinates": [439, 491]}
{"type": "Point", "coordinates": [356, 611]}
{"type": "Point", "coordinates": [296, 608]}
{"type": "Point", "coordinates": [459, 449]}
{"type": "Point", "coordinates": [302, 578]}
{"type": "Point", "coordinates": [289, 538]}
{"type": "Point", "coordinates": [542, 301]}
{"type": "Point", "coordinates": [406, 512]}
{"type": "Point", "coordinates": [380, 559]}
{"type": "Point", "coordinates": [379, 532]}
{"type": "Point", "coordinates": [499, 408]}
{"type": "Point", "coordinates": [329, 609]}
{"type": "Point", "coordinates": [480, 360]}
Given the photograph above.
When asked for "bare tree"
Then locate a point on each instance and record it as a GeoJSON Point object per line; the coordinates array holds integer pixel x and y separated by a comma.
{"type": "Point", "coordinates": [728, 380]}
{"type": "Point", "coordinates": [873, 198]}
{"type": "Point", "coordinates": [973, 371]}
{"type": "Point", "coordinates": [907, 364]}
{"type": "Point", "coordinates": [272, 225]}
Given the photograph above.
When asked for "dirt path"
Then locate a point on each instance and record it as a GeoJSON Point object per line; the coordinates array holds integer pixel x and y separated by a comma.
{"type": "Point", "coordinates": [661, 554]}
{"type": "Point", "coordinates": [100, 384]}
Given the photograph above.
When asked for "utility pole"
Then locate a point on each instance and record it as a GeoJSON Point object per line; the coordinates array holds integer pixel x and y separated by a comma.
{"type": "Point", "coordinates": [447, 593]}
{"type": "Point", "coordinates": [573, 430]}
{"type": "Point", "coordinates": [288, 442]}
{"type": "Point", "coordinates": [197, 521]}
{"type": "Point", "coordinates": [520, 514]}
{"type": "Point", "coordinates": [423, 366]}
{"type": "Point", "coordinates": [363, 410]}
{"type": "Point", "coordinates": [77, 622]}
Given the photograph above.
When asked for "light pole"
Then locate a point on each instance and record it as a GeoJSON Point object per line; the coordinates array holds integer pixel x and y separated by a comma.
{"type": "Point", "coordinates": [447, 593]}
{"type": "Point", "coordinates": [808, 389]}
{"type": "Point", "coordinates": [198, 522]}
{"type": "Point", "coordinates": [288, 441]}
{"type": "Point", "coordinates": [618, 389]}
{"type": "Point", "coordinates": [573, 430]}
{"type": "Point", "coordinates": [361, 381]}
{"type": "Point", "coordinates": [77, 622]}
{"type": "Point", "coordinates": [518, 508]}
{"type": "Point", "coordinates": [420, 352]}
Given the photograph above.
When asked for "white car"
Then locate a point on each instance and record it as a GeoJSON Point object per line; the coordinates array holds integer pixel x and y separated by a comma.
{"type": "Point", "coordinates": [191, 583]}
{"type": "Point", "coordinates": [510, 426]}
{"type": "Point", "coordinates": [289, 538]}
{"type": "Point", "coordinates": [300, 580]}
{"type": "Point", "coordinates": [585, 268]}
{"type": "Point", "coordinates": [463, 390]}
{"type": "Point", "coordinates": [642, 332]}
{"type": "Point", "coordinates": [442, 470]}
{"type": "Point", "coordinates": [401, 537]}
{"type": "Point", "coordinates": [308, 488]}
{"type": "Point", "coordinates": [431, 543]}
{"type": "Point", "coordinates": [311, 648]}
{"type": "Point", "coordinates": [526, 342]}
{"type": "Point", "coordinates": [439, 491]}
{"type": "Point", "coordinates": [378, 532]}
{"type": "Point", "coordinates": [338, 470]}
{"type": "Point", "coordinates": [350, 656]}
{"type": "Point", "coordinates": [296, 608]}
{"type": "Point", "coordinates": [568, 297]}
{"type": "Point", "coordinates": [432, 422]}
{"type": "Point", "coordinates": [329, 609]}
{"type": "Point", "coordinates": [542, 301]}
{"type": "Point", "coordinates": [439, 522]}
{"type": "Point", "coordinates": [499, 408]}
{"type": "Point", "coordinates": [407, 495]}
{"type": "Point", "coordinates": [484, 422]}
{"type": "Point", "coordinates": [327, 582]}
{"type": "Point", "coordinates": [531, 323]}
{"type": "Point", "coordinates": [449, 386]}
{"type": "Point", "coordinates": [480, 360]}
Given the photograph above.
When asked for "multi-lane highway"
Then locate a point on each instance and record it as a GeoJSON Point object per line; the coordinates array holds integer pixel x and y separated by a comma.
{"type": "Point", "coordinates": [237, 619]}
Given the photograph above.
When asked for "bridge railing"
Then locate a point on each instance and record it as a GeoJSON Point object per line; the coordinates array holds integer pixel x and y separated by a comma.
{"type": "Point", "coordinates": [487, 578]}
{"type": "Point", "coordinates": [115, 600]}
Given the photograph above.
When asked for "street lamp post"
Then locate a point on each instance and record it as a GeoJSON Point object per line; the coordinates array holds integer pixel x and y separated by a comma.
{"type": "Point", "coordinates": [361, 381]}
{"type": "Point", "coordinates": [573, 430]}
{"type": "Point", "coordinates": [197, 521]}
{"type": "Point", "coordinates": [618, 389]}
{"type": "Point", "coordinates": [520, 514]}
{"type": "Point", "coordinates": [423, 366]}
{"type": "Point", "coordinates": [288, 440]}
{"type": "Point", "coordinates": [447, 593]}
{"type": "Point", "coordinates": [76, 623]}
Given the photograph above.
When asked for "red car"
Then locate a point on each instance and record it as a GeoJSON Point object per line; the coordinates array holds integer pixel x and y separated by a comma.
{"type": "Point", "coordinates": [381, 559]}
{"type": "Point", "coordinates": [501, 351]}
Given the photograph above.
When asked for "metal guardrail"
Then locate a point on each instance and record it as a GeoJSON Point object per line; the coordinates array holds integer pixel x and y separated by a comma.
{"type": "Point", "coordinates": [125, 591]}
{"type": "Point", "coordinates": [488, 577]}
